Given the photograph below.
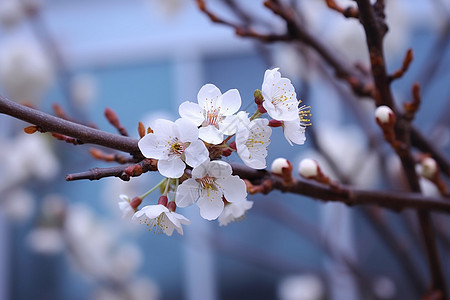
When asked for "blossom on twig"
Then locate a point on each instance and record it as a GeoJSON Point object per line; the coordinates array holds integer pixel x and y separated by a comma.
{"type": "Point", "coordinates": [174, 143]}
{"type": "Point", "coordinates": [211, 182]}
{"type": "Point", "coordinates": [160, 219]}
{"type": "Point", "coordinates": [213, 112]}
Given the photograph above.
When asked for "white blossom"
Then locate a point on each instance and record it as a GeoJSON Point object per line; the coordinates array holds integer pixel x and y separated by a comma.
{"type": "Point", "coordinates": [301, 287]}
{"type": "Point", "coordinates": [173, 144]}
{"type": "Point", "coordinates": [252, 140]}
{"type": "Point", "coordinates": [125, 207]}
{"type": "Point", "coordinates": [160, 219]}
{"type": "Point", "coordinates": [308, 168]}
{"type": "Point", "coordinates": [429, 168]}
{"type": "Point", "coordinates": [278, 165]}
{"type": "Point", "coordinates": [46, 240]}
{"type": "Point", "coordinates": [25, 71]}
{"type": "Point", "coordinates": [294, 131]}
{"type": "Point", "coordinates": [382, 114]}
{"type": "Point", "coordinates": [214, 112]}
{"type": "Point", "coordinates": [234, 211]}
{"type": "Point", "coordinates": [211, 182]}
{"type": "Point", "coordinates": [280, 99]}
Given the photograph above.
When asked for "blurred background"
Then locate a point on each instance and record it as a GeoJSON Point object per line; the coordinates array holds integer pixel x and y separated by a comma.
{"type": "Point", "coordinates": [67, 240]}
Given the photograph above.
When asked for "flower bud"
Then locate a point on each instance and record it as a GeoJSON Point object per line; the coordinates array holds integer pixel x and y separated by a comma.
{"type": "Point", "coordinates": [384, 115]}
{"type": "Point", "coordinates": [227, 152]}
{"type": "Point", "coordinates": [233, 145]}
{"type": "Point", "coordinates": [278, 165]}
{"type": "Point", "coordinates": [163, 200]}
{"type": "Point", "coordinates": [275, 123]}
{"type": "Point", "coordinates": [308, 168]}
{"type": "Point", "coordinates": [261, 109]}
{"type": "Point", "coordinates": [172, 206]}
{"type": "Point", "coordinates": [429, 168]}
{"type": "Point", "coordinates": [258, 97]}
{"type": "Point", "coordinates": [135, 202]}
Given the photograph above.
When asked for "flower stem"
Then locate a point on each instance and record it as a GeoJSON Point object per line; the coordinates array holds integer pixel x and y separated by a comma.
{"type": "Point", "coordinates": [153, 188]}
{"type": "Point", "coordinates": [177, 181]}
{"type": "Point", "coordinates": [255, 115]}
{"type": "Point", "coordinates": [166, 189]}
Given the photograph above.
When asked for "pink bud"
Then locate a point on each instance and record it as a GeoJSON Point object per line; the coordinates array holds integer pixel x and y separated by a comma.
{"type": "Point", "coordinates": [135, 202]}
{"type": "Point", "coordinates": [172, 206]}
{"type": "Point", "coordinates": [163, 200]}
{"type": "Point", "coordinates": [227, 152]}
{"type": "Point", "coordinates": [275, 123]}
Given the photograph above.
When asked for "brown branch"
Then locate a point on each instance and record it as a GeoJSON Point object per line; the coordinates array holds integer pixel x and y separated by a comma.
{"type": "Point", "coordinates": [85, 134]}
{"type": "Point", "coordinates": [113, 119]}
{"type": "Point", "coordinates": [348, 12]}
{"type": "Point", "coordinates": [349, 196]}
{"type": "Point", "coordinates": [122, 172]}
{"type": "Point", "coordinates": [407, 60]}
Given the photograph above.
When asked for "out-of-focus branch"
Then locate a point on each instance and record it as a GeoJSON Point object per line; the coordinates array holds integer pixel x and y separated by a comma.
{"type": "Point", "coordinates": [85, 134]}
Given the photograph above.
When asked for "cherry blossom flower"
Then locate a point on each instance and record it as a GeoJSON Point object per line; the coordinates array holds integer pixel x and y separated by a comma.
{"type": "Point", "coordinates": [125, 207]}
{"type": "Point", "coordinates": [210, 184]}
{"type": "Point", "coordinates": [160, 219]}
{"type": "Point", "coordinates": [214, 112]}
{"type": "Point", "coordinates": [252, 140]}
{"type": "Point", "coordinates": [174, 143]}
{"type": "Point", "coordinates": [294, 131]}
{"type": "Point", "coordinates": [280, 99]}
{"type": "Point", "coordinates": [234, 211]}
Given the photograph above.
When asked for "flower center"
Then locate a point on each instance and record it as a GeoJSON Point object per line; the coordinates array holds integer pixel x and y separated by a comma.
{"type": "Point", "coordinates": [177, 147]}
{"type": "Point", "coordinates": [304, 113]}
{"type": "Point", "coordinates": [212, 117]}
{"type": "Point", "coordinates": [207, 182]}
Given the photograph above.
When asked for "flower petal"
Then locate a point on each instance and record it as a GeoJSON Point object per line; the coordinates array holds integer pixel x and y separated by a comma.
{"type": "Point", "coordinates": [228, 125]}
{"type": "Point", "coordinates": [210, 134]}
{"type": "Point", "coordinates": [187, 193]}
{"type": "Point", "coordinates": [294, 132]}
{"type": "Point", "coordinates": [153, 211]}
{"type": "Point", "coordinates": [196, 153]}
{"type": "Point", "coordinates": [172, 168]}
{"type": "Point", "coordinates": [209, 96]}
{"type": "Point", "coordinates": [191, 111]}
{"type": "Point", "coordinates": [233, 187]}
{"type": "Point", "coordinates": [187, 130]}
{"type": "Point", "coordinates": [153, 146]}
{"type": "Point", "coordinates": [231, 102]}
{"type": "Point", "coordinates": [201, 170]}
{"type": "Point", "coordinates": [210, 204]}
{"type": "Point", "coordinates": [164, 127]}
{"type": "Point", "coordinates": [219, 169]}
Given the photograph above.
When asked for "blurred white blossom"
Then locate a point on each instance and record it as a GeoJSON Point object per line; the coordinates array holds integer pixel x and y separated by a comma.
{"type": "Point", "coordinates": [25, 71]}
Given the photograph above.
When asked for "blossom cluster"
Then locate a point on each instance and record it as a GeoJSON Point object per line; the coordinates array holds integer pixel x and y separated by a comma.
{"type": "Point", "coordinates": [188, 152]}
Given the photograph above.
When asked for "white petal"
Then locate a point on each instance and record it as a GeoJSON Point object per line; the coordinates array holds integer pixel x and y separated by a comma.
{"type": "Point", "coordinates": [196, 153]}
{"type": "Point", "coordinates": [187, 130]}
{"type": "Point", "coordinates": [219, 169]}
{"type": "Point", "coordinates": [152, 146]}
{"type": "Point", "coordinates": [191, 111]}
{"type": "Point", "coordinates": [210, 134]}
{"type": "Point", "coordinates": [231, 102]}
{"type": "Point", "coordinates": [172, 168]}
{"type": "Point", "coordinates": [210, 204]}
{"type": "Point", "coordinates": [233, 187]}
{"type": "Point", "coordinates": [164, 127]}
{"type": "Point", "coordinates": [187, 193]}
{"type": "Point", "coordinates": [228, 125]}
{"type": "Point", "coordinates": [208, 96]}
{"type": "Point", "coordinates": [153, 211]}
{"type": "Point", "coordinates": [294, 132]}
{"type": "Point", "coordinates": [177, 220]}
{"type": "Point", "coordinates": [201, 170]}
{"type": "Point", "coordinates": [270, 78]}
